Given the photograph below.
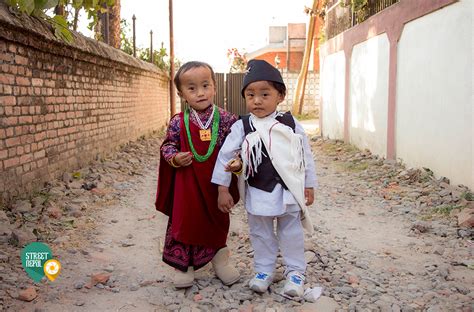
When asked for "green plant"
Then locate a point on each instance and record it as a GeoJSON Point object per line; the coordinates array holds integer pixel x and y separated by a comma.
{"type": "Point", "coordinates": [160, 58]}
{"type": "Point", "coordinates": [468, 196]}
{"type": "Point", "coordinates": [356, 5]}
{"type": "Point", "coordinates": [356, 166]}
{"type": "Point", "coordinates": [60, 19]}
{"type": "Point", "coordinates": [305, 116]}
{"type": "Point", "coordinates": [126, 44]}
{"type": "Point", "coordinates": [445, 209]}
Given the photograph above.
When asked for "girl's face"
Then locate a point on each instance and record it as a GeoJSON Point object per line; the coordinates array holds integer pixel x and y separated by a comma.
{"type": "Point", "coordinates": [197, 87]}
{"type": "Point", "coordinates": [262, 98]}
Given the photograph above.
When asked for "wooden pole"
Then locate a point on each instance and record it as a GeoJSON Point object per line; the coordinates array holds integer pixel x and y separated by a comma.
{"type": "Point", "coordinates": [172, 91]}
{"type": "Point", "coordinates": [298, 97]}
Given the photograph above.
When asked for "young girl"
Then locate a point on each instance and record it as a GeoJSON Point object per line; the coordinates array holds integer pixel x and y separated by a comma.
{"type": "Point", "coordinates": [197, 229]}
{"type": "Point", "coordinates": [279, 175]}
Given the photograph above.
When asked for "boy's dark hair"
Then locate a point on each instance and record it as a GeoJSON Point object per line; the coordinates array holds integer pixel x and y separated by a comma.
{"type": "Point", "coordinates": [190, 65]}
{"type": "Point", "coordinates": [281, 88]}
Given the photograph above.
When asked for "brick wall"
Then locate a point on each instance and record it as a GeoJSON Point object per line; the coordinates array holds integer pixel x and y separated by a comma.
{"type": "Point", "coordinates": [311, 92]}
{"type": "Point", "coordinates": [63, 105]}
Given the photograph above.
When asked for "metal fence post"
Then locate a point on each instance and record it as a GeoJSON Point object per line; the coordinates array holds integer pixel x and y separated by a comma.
{"type": "Point", "coordinates": [151, 46]}
{"type": "Point", "coordinates": [134, 37]}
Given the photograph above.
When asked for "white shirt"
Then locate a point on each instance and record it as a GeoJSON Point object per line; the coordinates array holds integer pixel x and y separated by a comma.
{"type": "Point", "coordinates": [259, 202]}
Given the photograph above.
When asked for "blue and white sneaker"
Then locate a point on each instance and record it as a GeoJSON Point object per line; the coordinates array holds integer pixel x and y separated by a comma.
{"type": "Point", "coordinates": [260, 282]}
{"type": "Point", "coordinates": [294, 286]}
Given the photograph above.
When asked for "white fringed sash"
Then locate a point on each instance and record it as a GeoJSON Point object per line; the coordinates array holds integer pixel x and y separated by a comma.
{"type": "Point", "coordinates": [277, 138]}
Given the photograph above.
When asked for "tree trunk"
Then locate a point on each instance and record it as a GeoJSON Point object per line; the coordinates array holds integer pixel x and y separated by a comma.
{"type": "Point", "coordinates": [114, 25]}
{"type": "Point", "coordinates": [76, 18]}
{"type": "Point", "coordinates": [59, 10]}
{"type": "Point", "coordinates": [298, 98]}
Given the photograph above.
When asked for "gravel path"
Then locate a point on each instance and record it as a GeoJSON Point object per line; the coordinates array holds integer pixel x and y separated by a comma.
{"type": "Point", "coordinates": [387, 239]}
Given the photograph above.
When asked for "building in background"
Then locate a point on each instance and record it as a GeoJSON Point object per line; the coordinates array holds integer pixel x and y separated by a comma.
{"type": "Point", "coordinates": [286, 44]}
{"type": "Point", "coordinates": [285, 47]}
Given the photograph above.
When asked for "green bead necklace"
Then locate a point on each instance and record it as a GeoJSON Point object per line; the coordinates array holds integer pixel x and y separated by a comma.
{"type": "Point", "coordinates": [214, 134]}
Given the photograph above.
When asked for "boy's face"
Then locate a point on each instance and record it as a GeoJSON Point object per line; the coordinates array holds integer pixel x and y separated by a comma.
{"type": "Point", "coordinates": [262, 98]}
{"type": "Point", "coordinates": [197, 87]}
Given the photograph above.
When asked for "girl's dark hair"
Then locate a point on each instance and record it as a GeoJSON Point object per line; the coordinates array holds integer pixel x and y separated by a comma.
{"type": "Point", "coordinates": [281, 88]}
{"type": "Point", "coordinates": [189, 65]}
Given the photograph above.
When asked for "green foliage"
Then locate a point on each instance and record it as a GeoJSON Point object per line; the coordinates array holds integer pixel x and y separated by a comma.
{"type": "Point", "coordinates": [160, 56]}
{"type": "Point", "coordinates": [445, 209]}
{"type": "Point", "coordinates": [468, 196]}
{"type": "Point", "coordinates": [356, 5]}
{"type": "Point", "coordinates": [41, 9]}
{"type": "Point", "coordinates": [126, 43]}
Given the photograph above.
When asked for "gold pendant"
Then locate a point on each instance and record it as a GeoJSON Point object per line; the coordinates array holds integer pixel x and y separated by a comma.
{"type": "Point", "coordinates": [205, 135]}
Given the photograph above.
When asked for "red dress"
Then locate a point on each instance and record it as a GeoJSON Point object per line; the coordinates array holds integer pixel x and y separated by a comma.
{"type": "Point", "coordinates": [197, 229]}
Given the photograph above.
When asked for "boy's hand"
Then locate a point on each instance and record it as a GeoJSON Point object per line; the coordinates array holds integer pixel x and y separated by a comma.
{"type": "Point", "coordinates": [225, 202]}
{"type": "Point", "coordinates": [183, 159]}
{"type": "Point", "coordinates": [234, 165]}
{"type": "Point", "coordinates": [309, 196]}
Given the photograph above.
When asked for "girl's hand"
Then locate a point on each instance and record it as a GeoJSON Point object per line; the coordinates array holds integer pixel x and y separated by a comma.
{"type": "Point", "coordinates": [183, 159]}
{"type": "Point", "coordinates": [309, 196]}
{"type": "Point", "coordinates": [225, 202]}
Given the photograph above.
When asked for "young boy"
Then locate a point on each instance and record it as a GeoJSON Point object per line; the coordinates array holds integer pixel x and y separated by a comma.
{"type": "Point", "coordinates": [279, 174]}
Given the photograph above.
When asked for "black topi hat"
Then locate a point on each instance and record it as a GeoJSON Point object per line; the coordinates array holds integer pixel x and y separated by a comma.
{"type": "Point", "coordinates": [259, 70]}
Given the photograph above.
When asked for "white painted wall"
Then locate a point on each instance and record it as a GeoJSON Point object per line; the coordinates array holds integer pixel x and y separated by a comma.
{"type": "Point", "coordinates": [434, 113]}
{"type": "Point", "coordinates": [369, 94]}
{"type": "Point", "coordinates": [332, 95]}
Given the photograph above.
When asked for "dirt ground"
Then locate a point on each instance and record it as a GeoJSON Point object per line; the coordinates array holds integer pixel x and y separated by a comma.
{"type": "Point", "coordinates": [377, 245]}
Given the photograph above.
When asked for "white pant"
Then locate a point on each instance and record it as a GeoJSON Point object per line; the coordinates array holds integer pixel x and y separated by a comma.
{"type": "Point", "coordinates": [289, 237]}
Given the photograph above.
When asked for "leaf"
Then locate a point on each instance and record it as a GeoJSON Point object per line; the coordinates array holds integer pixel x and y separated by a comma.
{"type": "Point", "coordinates": [27, 6]}
{"type": "Point", "coordinates": [61, 29]}
{"type": "Point", "coordinates": [45, 4]}
{"type": "Point", "coordinates": [77, 3]}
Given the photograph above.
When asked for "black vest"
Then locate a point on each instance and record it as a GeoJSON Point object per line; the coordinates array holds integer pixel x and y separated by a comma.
{"type": "Point", "coordinates": [267, 177]}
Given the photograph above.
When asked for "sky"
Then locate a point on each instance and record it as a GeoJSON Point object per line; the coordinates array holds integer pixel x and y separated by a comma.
{"type": "Point", "coordinates": [205, 29]}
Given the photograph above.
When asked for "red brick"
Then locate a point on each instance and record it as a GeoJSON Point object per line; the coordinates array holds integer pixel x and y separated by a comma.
{"type": "Point", "coordinates": [26, 158]}
{"type": "Point", "coordinates": [7, 100]}
{"type": "Point", "coordinates": [20, 150]}
{"type": "Point", "coordinates": [12, 141]}
{"type": "Point", "coordinates": [40, 136]}
{"type": "Point", "coordinates": [21, 60]}
{"type": "Point", "coordinates": [9, 121]}
{"type": "Point", "coordinates": [37, 82]}
{"type": "Point", "coordinates": [25, 119]}
{"type": "Point", "coordinates": [12, 48]}
{"type": "Point", "coordinates": [11, 162]}
{"type": "Point", "coordinates": [40, 154]}
{"type": "Point", "coordinates": [42, 162]}
{"type": "Point", "coordinates": [27, 167]}
{"type": "Point", "coordinates": [19, 170]}
{"type": "Point", "coordinates": [22, 81]}
{"type": "Point", "coordinates": [9, 132]}
{"type": "Point", "coordinates": [3, 153]}
{"type": "Point", "coordinates": [11, 152]}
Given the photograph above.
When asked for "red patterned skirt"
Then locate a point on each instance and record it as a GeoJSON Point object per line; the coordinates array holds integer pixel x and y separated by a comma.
{"type": "Point", "coordinates": [181, 256]}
